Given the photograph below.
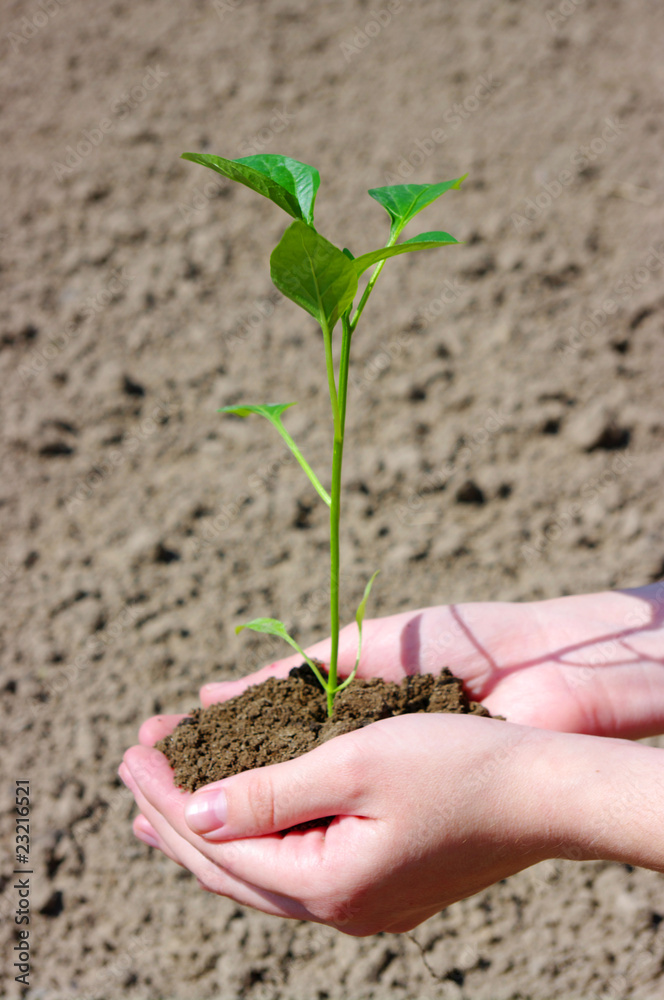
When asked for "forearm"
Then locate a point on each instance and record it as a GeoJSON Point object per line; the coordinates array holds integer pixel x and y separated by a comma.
{"type": "Point", "coordinates": [598, 799]}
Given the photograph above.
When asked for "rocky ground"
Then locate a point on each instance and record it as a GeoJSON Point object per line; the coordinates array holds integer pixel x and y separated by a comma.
{"type": "Point", "coordinates": [506, 429]}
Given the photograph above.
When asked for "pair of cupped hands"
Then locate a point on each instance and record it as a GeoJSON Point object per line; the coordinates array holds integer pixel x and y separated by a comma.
{"type": "Point", "coordinates": [428, 809]}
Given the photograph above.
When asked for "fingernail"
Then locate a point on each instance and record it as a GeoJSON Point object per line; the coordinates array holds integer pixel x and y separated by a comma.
{"type": "Point", "coordinates": [207, 811]}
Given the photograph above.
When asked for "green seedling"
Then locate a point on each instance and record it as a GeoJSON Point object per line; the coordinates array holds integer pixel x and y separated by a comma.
{"type": "Point", "coordinates": [324, 281]}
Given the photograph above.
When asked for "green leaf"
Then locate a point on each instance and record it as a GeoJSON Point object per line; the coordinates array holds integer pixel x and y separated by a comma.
{"type": "Point", "coordinates": [425, 241]}
{"type": "Point", "coordinates": [311, 271]}
{"type": "Point", "coordinates": [288, 183]}
{"type": "Point", "coordinates": [272, 626]}
{"type": "Point", "coordinates": [272, 412]}
{"type": "Point", "coordinates": [402, 202]}
{"type": "Point", "coordinates": [359, 614]}
{"type": "Point", "coordinates": [359, 618]}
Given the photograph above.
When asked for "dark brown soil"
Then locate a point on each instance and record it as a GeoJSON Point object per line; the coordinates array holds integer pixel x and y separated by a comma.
{"type": "Point", "coordinates": [283, 718]}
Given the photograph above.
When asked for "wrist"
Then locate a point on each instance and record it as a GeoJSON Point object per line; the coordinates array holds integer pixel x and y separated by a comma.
{"type": "Point", "coordinates": [599, 799]}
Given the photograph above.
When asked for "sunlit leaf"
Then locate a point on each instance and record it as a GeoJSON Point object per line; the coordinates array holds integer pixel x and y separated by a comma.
{"type": "Point", "coordinates": [288, 183]}
{"type": "Point", "coordinates": [315, 274]}
{"type": "Point", "coordinates": [425, 241]}
{"type": "Point", "coordinates": [272, 412]}
{"type": "Point", "coordinates": [359, 614]}
{"type": "Point", "coordinates": [272, 626]}
{"type": "Point", "coordinates": [359, 618]}
{"type": "Point", "coordinates": [402, 202]}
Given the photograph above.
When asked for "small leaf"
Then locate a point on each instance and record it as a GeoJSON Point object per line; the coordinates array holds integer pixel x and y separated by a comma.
{"type": "Point", "coordinates": [269, 626]}
{"type": "Point", "coordinates": [402, 202]}
{"type": "Point", "coordinates": [359, 618]}
{"type": "Point", "coordinates": [272, 626]}
{"type": "Point", "coordinates": [268, 410]}
{"type": "Point", "coordinates": [425, 241]}
{"type": "Point", "coordinates": [315, 274]}
{"type": "Point", "coordinates": [359, 614]}
{"type": "Point", "coordinates": [272, 412]}
{"type": "Point", "coordinates": [288, 183]}
{"type": "Point", "coordinates": [348, 253]}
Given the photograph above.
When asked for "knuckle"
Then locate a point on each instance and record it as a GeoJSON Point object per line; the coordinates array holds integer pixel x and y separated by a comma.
{"type": "Point", "coordinates": [259, 799]}
{"type": "Point", "coordinates": [352, 765]}
{"type": "Point", "coordinates": [345, 915]}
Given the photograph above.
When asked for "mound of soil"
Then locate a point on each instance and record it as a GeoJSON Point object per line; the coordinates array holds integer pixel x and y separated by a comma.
{"type": "Point", "coordinates": [283, 718]}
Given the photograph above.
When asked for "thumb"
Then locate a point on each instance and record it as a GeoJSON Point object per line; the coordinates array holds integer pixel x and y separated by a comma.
{"type": "Point", "coordinates": [327, 781]}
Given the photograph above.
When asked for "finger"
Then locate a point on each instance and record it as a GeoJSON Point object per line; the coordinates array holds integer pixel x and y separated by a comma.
{"type": "Point", "coordinates": [149, 836]}
{"type": "Point", "coordinates": [158, 726]}
{"type": "Point", "coordinates": [210, 874]}
{"type": "Point", "coordinates": [145, 831]}
{"type": "Point", "coordinates": [305, 864]}
{"type": "Point", "coordinates": [327, 781]}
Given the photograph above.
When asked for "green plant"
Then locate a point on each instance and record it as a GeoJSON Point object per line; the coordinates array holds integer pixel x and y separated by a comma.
{"type": "Point", "coordinates": [323, 280]}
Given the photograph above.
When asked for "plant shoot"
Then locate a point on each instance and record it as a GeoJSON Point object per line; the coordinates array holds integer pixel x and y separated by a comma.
{"type": "Point", "coordinates": [324, 281]}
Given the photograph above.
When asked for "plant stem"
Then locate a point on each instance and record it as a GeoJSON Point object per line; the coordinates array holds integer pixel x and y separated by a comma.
{"type": "Point", "coordinates": [338, 400]}
{"type": "Point", "coordinates": [339, 413]}
{"type": "Point", "coordinates": [329, 364]}
{"type": "Point", "coordinates": [372, 281]}
{"type": "Point", "coordinates": [334, 569]}
{"type": "Point", "coordinates": [335, 511]}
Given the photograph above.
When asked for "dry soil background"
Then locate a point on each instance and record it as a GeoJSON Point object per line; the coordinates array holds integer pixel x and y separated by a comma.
{"type": "Point", "coordinates": [500, 449]}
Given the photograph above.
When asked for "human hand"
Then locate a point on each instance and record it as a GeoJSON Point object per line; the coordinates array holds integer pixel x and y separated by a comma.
{"type": "Point", "coordinates": [429, 809]}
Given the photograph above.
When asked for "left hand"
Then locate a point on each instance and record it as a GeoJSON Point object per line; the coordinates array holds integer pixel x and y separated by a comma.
{"type": "Point", "coordinates": [428, 809]}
